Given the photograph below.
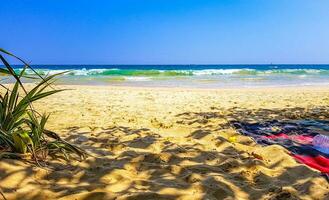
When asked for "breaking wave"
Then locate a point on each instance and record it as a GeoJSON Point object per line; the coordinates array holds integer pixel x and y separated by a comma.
{"type": "Point", "coordinates": [168, 73]}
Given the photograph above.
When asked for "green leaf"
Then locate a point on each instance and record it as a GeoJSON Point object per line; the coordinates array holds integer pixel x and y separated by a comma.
{"type": "Point", "coordinates": [21, 141]}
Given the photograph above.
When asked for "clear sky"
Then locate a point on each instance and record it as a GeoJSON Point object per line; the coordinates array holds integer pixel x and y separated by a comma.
{"type": "Point", "coordinates": [166, 31]}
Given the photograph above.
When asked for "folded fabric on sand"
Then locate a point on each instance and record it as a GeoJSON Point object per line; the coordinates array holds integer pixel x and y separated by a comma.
{"type": "Point", "coordinates": [306, 140]}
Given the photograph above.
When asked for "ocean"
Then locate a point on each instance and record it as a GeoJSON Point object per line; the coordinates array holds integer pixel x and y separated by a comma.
{"type": "Point", "coordinates": [199, 76]}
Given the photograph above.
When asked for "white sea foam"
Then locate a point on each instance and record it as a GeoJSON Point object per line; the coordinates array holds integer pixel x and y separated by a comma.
{"type": "Point", "coordinates": [216, 71]}
{"type": "Point", "coordinates": [203, 72]}
{"type": "Point", "coordinates": [137, 78]}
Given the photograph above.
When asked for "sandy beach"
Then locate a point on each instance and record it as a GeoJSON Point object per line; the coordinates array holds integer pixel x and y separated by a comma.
{"type": "Point", "coordinates": [170, 143]}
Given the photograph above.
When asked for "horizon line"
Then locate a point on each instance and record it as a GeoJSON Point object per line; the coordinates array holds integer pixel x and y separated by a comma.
{"type": "Point", "coordinates": [184, 64]}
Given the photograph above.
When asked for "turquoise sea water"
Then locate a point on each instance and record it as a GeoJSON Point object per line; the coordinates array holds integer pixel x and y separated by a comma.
{"type": "Point", "coordinates": [212, 76]}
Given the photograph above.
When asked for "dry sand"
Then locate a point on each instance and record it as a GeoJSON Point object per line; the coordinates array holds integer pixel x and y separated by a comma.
{"type": "Point", "coordinates": [159, 143]}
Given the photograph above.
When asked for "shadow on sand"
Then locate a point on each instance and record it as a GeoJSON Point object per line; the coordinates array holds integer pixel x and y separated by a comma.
{"type": "Point", "coordinates": [140, 164]}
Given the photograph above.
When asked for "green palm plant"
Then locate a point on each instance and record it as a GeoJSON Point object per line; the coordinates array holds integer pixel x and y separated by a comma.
{"type": "Point", "coordinates": [22, 128]}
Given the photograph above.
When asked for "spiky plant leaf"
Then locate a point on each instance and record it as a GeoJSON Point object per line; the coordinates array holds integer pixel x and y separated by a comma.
{"type": "Point", "coordinates": [22, 129]}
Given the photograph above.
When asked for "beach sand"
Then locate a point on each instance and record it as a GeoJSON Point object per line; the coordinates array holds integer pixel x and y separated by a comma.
{"type": "Point", "coordinates": [170, 143]}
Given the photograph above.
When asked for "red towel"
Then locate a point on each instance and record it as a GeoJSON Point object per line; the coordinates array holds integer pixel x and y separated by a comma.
{"type": "Point", "coordinates": [319, 162]}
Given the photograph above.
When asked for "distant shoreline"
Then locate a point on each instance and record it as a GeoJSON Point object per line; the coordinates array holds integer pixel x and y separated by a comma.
{"type": "Point", "coordinates": [186, 76]}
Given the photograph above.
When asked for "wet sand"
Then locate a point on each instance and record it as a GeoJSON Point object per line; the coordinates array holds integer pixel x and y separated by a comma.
{"type": "Point", "coordinates": [170, 143]}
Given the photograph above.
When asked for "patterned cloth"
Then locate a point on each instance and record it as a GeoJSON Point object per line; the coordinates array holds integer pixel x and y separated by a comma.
{"type": "Point", "coordinates": [296, 136]}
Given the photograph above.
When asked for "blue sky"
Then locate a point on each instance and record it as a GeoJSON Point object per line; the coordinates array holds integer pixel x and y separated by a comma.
{"type": "Point", "coordinates": [166, 31]}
